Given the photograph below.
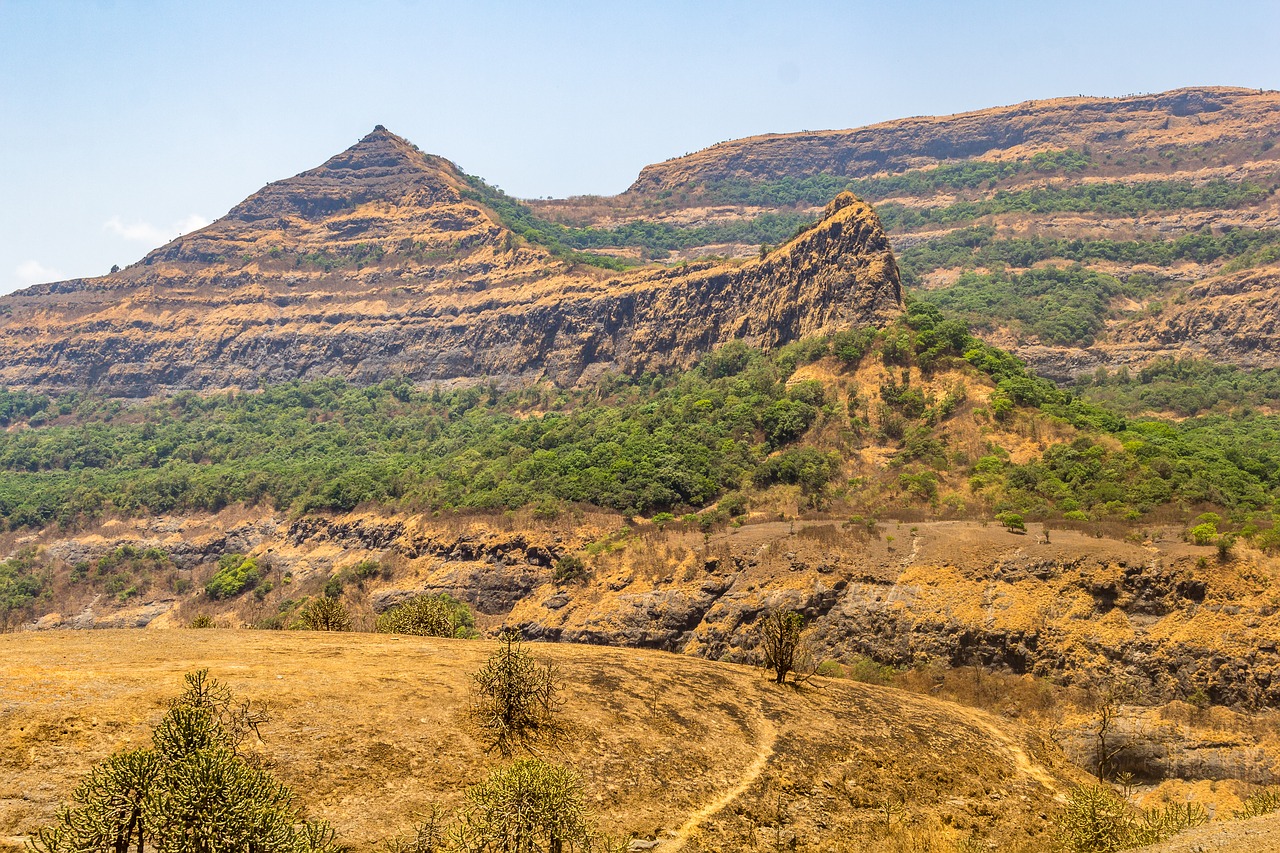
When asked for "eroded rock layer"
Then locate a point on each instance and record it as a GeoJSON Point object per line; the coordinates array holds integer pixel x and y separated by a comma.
{"type": "Point", "coordinates": [380, 263]}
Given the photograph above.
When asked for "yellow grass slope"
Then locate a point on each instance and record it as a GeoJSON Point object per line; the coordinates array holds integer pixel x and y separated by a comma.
{"type": "Point", "coordinates": [696, 755]}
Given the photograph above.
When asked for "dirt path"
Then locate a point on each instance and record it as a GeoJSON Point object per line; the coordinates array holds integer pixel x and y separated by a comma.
{"type": "Point", "coordinates": [767, 735]}
{"type": "Point", "coordinates": [1021, 761]}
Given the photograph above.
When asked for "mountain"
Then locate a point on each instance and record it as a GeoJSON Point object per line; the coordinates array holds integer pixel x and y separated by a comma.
{"type": "Point", "coordinates": [1159, 211]}
{"type": "Point", "coordinates": [385, 261]}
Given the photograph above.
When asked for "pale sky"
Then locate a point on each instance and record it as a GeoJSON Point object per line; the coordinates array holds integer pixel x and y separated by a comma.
{"type": "Point", "coordinates": [126, 123]}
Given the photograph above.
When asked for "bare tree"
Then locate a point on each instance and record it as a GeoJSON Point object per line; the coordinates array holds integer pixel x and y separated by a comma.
{"type": "Point", "coordinates": [785, 652]}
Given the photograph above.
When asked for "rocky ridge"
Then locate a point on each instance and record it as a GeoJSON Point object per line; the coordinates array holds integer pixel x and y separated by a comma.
{"type": "Point", "coordinates": [380, 263]}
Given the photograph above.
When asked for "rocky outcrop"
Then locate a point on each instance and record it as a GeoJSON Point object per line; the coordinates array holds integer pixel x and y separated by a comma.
{"type": "Point", "coordinates": [380, 263]}
{"type": "Point", "coordinates": [1148, 121]}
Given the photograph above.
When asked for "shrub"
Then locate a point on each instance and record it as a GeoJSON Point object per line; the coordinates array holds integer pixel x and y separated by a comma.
{"type": "Point", "coordinates": [193, 789]}
{"type": "Point", "coordinates": [1204, 533]}
{"type": "Point", "coordinates": [830, 669]}
{"type": "Point", "coordinates": [571, 567]}
{"type": "Point", "coordinates": [429, 616]}
{"type": "Point", "coordinates": [235, 574]}
{"type": "Point", "coordinates": [529, 806]}
{"type": "Point", "coordinates": [1258, 803]}
{"type": "Point", "coordinates": [201, 620]}
{"type": "Point", "coordinates": [868, 671]}
{"type": "Point", "coordinates": [324, 614]}
{"type": "Point", "coordinates": [515, 699]}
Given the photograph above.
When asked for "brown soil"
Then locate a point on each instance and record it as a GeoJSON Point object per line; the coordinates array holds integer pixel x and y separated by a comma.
{"type": "Point", "coordinates": [370, 729]}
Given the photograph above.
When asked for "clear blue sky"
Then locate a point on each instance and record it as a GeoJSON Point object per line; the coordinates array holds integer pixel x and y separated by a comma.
{"type": "Point", "coordinates": [124, 123]}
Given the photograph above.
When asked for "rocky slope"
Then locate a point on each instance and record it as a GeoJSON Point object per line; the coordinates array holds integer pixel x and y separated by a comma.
{"type": "Point", "coordinates": [1126, 160]}
{"type": "Point", "coordinates": [1078, 608]}
{"type": "Point", "coordinates": [379, 263]}
{"type": "Point", "coordinates": [1234, 123]}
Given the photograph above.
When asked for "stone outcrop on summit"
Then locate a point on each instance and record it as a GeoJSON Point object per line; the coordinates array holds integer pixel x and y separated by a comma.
{"type": "Point", "coordinates": [382, 263]}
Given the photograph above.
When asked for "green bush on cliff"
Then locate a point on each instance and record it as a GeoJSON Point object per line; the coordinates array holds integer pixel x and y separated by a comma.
{"type": "Point", "coordinates": [235, 574]}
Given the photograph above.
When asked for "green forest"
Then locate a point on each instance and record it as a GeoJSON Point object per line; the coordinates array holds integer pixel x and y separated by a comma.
{"type": "Point", "coordinates": [637, 444]}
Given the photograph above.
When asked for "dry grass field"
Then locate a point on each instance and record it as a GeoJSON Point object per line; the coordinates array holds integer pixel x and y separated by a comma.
{"type": "Point", "coordinates": [371, 729]}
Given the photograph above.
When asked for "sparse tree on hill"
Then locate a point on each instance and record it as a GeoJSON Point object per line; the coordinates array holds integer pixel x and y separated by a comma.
{"type": "Point", "coordinates": [783, 647]}
{"type": "Point", "coordinates": [515, 699]}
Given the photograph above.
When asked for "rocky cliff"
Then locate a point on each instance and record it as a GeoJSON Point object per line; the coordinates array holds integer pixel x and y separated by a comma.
{"type": "Point", "coordinates": [1109, 178]}
{"type": "Point", "coordinates": [1227, 118]}
{"type": "Point", "coordinates": [380, 263]}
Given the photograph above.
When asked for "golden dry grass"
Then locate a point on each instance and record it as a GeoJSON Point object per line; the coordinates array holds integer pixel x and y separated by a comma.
{"type": "Point", "coordinates": [370, 729]}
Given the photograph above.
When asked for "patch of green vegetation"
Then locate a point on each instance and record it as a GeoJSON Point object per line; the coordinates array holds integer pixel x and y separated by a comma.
{"type": "Point", "coordinates": [22, 406]}
{"type": "Point", "coordinates": [978, 247]}
{"type": "Point", "coordinates": [817, 190]}
{"type": "Point", "coordinates": [657, 238]}
{"type": "Point", "coordinates": [652, 443]}
{"type": "Point", "coordinates": [1114, 199]}
{"type": "Point", "coordinates": [22, 583]}
{"type": "Point", "coordinates": [1184, 386]}
{"type": "Point", "coordinates": [236, 573]}
{"type": "Point", "coordinates": [125, 572]}
{"type": "Point", "coordinates": [1059, 305]}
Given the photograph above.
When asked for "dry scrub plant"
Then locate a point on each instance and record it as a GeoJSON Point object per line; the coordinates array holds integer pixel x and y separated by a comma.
{"type": "Point", "coordinates": [514, 699]}
{"type": "Point", "coordinates": [193, 791]}
{"type": "Point", "coordinates": [324, 614]}
{"type": "Point", "coordinates": [1097, 820]}
{"type": "Point", "coordinates": [784, 650]}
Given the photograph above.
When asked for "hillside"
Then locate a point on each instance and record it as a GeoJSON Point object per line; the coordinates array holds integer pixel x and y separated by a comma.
{"type": "Point", "coordinates": [693, 754]}
{"type": "Point", "coordinates": [385, 262]}
{"type": "Point", "coordinates": [1160, 210]}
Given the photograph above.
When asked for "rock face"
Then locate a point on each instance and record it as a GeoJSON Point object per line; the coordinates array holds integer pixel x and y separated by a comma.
{"type": "Point", "coordinates": [379, 263]}
{"type": "Point", "coordinates": [1186, 138]}
{"type": "Point", "coordinates": [951, 593]}
{"type": "Point", "coordinates": [1184, 116]}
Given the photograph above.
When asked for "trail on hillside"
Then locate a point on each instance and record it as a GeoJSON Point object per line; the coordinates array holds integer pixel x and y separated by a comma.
{"type": "Point", "coordinates": [1021, 761]}
{"type": "Point", "coordinates": [767, 736]}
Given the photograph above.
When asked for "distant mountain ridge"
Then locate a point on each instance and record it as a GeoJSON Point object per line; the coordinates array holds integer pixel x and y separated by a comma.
{"type": "Point", "coordinates": [380, 263]}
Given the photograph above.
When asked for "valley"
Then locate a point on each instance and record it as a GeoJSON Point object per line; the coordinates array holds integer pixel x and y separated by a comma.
{"type": "Point", "coordinates": [985, 401]}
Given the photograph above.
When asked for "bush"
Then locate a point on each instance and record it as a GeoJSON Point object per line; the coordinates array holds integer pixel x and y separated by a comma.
{"type": "Point", "coordinates": [514, 699]}
{"type": "Point", "coordinates": [192, 790]}
{"type": "Point", "coordinates": [571, 567]}
{"type": "Point", "coordinates": [868, 671]}
{"type": "Point", "coordinates": [529, 806]}
{"type": "Point", "coordinates": [830, 669]}
{"type": "Point", "coordinates": [429, 616]}
{"type": "Point", "coordinates": [235, 574]}
{"type": "Point", "coordinates": [1096, 820]}
{"type": "Point", "coordinates": [1258, 803]}
{"type": "Point", "coordinates": [201, 620]}
{"type": "Point", "coordinates": [324, 614]}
